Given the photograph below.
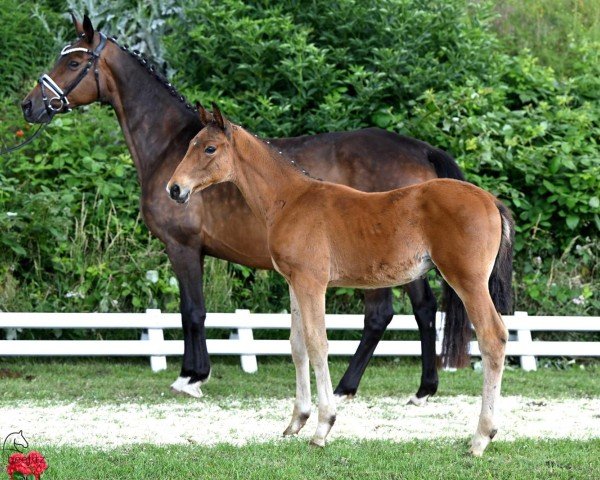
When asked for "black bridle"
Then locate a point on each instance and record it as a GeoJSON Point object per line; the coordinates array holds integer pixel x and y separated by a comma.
{"type": "Point", "coordinates": [59, 102]}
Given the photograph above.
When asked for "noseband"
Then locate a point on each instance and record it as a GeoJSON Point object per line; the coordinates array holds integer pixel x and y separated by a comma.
{"type": "Point", "coordinates": [59, 102]}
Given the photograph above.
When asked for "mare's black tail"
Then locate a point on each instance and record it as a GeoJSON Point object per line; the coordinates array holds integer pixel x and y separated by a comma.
{"type": "Point", "coordinates": [457, 328]}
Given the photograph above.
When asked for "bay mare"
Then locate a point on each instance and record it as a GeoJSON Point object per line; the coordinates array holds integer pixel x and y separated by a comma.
{"type": "Point", "coordinates": [158, 125]}
{"type": "Point", "coordinates": [323, 234]}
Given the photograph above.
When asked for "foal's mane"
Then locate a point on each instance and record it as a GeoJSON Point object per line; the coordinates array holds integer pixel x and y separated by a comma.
{"type": "Point", "coordinates": [278, 155]}
{"type": "Point", "coordinates": [153, 71]}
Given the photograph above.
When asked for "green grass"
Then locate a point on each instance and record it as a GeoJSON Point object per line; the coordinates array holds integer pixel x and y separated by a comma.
{"type": "Point", "coordinates": [108, 381]}
{"type": "Point", "coordinates": [118, 380]}
{"type": "Point", "coordinates": [294, 459]}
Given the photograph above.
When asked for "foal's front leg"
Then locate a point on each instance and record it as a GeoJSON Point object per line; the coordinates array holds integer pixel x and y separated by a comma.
{"type": "Point", "coordinates": [311, 301]}
{"type": "Point", "coordinates": [300, 357]}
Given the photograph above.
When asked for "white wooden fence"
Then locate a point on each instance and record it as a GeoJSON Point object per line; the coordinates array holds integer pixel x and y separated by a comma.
{"type": "Point", "coordinates": [242, 342]}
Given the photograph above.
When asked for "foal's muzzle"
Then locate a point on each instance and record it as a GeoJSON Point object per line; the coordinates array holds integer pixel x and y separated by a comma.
{"type": "Point", "coordinates": [179, 195]}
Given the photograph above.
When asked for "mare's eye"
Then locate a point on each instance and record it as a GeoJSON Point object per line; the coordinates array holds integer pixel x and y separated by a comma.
{"type": "Point", "coordinates": [73, 64]}
{"type": "Point", "coordinates": [210, 149]}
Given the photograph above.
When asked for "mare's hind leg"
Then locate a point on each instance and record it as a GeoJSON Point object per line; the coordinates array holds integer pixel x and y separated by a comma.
{"type": "Point", "coordinates": [491, 336]}
{"type": "Point", "coordinates": [311, 299]}
{"type": "Point", "coordinates": [378, 315]}
{"type": "Point", "coordinates": [424, 307]}
{"type": "Point", "coordinates": [300, 356]}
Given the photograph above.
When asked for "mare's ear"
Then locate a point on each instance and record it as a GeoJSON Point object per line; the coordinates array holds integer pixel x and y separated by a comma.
{"type": "Point", "coordinates": [76, 23]}
{"type": "Point", "coordinates": [88, 29]}
{"type": "Point", "coordinates": [204, 115]}
{"type": "Point", "coordinates": [218, 116]}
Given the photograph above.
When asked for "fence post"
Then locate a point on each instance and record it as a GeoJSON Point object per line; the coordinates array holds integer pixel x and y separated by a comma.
{"type": "Point", "coordinates": [155, 335]}
{"type": "Point", "coordinates": [249, 363]}
{"type": "Point", "coordinates": [528, 362]}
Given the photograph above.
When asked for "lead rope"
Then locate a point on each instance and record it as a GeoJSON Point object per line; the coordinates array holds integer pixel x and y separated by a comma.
{"type": "Point", "coordinates": [8, 150]}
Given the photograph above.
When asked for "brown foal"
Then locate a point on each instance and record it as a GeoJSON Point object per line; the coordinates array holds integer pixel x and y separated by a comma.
{"type": "Point", "coordinates": [322, 234]}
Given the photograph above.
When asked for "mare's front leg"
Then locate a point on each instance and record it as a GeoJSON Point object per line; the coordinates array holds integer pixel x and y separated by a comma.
{"type": "Point", "coordinates": [424, 307]}
{"type": "Point", "coordinates": [300, 356]}
{"type": "Point", "coordinates": [311, 300]}
{"type": "Point", "coordinates": [188, 265]}
{"type": "Point", "coordinates": [378, 315]}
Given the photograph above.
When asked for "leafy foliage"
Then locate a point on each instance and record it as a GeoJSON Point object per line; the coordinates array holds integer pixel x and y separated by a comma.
{"type": "Point", "coordinates": [27, 45]}
{"type": "Point", "coordinates": [552, 31]}
{"type": "Point", "coordinates": [72, 238]}
{"type": "Point", "coordinates": [435, 71]}
{"type": "Point", "coordinates": [142, 24]}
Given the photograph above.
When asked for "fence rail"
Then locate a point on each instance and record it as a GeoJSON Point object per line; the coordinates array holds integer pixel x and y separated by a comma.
{"type": "Point", "coordinates": [242, 342]}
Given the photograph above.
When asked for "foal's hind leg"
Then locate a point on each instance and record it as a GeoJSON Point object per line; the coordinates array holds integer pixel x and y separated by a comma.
{"type": "Point", "coordinates": [300, 357]}
{"type": "Point", "coordinates": [491, 336]}
{"type": "Point", "coordinates": [311, 299]}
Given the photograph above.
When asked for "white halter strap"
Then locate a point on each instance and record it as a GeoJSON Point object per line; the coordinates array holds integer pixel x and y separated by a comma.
{"type": "Point", "coordinates": [50, 84]}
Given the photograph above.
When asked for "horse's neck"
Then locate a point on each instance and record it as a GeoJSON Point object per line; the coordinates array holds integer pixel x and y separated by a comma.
{"type": "Point", "coordinates": [157, 126]}
{"type": "Point", "coordinates": [266, 180]}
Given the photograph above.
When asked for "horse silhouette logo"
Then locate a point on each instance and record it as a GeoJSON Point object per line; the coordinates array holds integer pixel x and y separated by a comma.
{"type": "Point", "coordinates": [14, 442]}
{"type": "Point", "coordinates": [17, 463]}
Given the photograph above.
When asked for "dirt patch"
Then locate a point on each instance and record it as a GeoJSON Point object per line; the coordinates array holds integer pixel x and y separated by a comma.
{"type": "Point", "coordinates": [6, 373]}
{"type": "Point", "coordinates": [211, 421]}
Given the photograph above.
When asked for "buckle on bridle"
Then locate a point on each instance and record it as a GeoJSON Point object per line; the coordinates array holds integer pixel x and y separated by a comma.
{"type": "Point", "coordinates": [59, 101]}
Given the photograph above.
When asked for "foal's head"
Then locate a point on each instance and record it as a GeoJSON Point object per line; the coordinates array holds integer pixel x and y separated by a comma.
{"type": "Point", "coordinates": [209, 158]}
{"type": "Point", "coordinates": [74, 79]}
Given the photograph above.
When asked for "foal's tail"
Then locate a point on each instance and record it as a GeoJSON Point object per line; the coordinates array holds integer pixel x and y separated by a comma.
{"type": "Point", "coordinates": [500, 283]}
{"type": "Point", "coordinates": [457, 328]}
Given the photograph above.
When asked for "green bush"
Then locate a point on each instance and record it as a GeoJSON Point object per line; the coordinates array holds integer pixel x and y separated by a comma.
{"type": "Point", "coordinates": [435, 71]}
{"type": "Point", "coordinates": [72, 238]}
{"type": "Point", "coordinates": [552, 31]}
{"type": "Point", "coordinates": [27, 43]}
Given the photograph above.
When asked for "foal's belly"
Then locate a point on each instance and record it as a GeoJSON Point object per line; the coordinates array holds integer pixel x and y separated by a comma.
{"type": "Point", "coordinates": [379, 273]}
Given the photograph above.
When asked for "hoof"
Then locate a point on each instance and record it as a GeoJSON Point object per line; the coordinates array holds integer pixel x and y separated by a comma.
{"type": "Point", "coordinates": [179, 384]}
{"type": "Point", "coordinates": [479, 444]}
{"type": "Point", "coordinates": [341, 398]}
{"type": "Point", "coordinates": [476, 452]}
{"type": "Point", "coordinates": [296, 424]}
{"type": "Point", "coordinates": [192, 389]}
{"type": "Point", "coordinates": [418, 402]}
{"type": "Point", "coordinates": [317, 442]}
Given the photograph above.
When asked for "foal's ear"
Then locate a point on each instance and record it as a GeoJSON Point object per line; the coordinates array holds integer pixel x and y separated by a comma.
{"type": "Point", "coordinates": [218, 116]}
{"type": "Point", "coordinates": [88, 29]}
{"type": "Point", "coordinates": [203, 114]}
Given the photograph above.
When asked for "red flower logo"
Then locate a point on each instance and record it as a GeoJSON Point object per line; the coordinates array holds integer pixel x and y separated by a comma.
{"type": "Point", "coordinates": [33, 464]}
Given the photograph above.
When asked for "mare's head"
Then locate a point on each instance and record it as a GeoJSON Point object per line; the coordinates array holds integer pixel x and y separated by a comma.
{"type": "Point", "coordinates": [75, 78]}
{"type": "Point", "coordinates": [209, 158]}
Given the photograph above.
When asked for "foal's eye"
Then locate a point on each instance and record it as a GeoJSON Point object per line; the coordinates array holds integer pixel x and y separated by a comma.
{"type": "Point", "coordinates": [210, 149]}
{"type": "Point", "coordinates": [73, 64]}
